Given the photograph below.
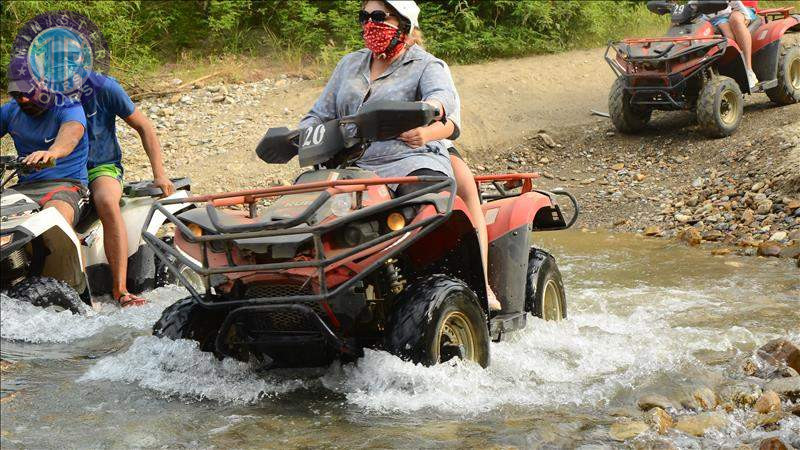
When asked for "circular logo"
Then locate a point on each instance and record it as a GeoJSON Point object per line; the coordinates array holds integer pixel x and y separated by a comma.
{"type": "Point", "coordinates": [58, 57]}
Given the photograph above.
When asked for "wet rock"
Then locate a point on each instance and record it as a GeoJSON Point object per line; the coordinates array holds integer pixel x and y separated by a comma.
{"type": "Point", "coordinates": [622, 431]}
{"type": "Point", "coordinates": [746, 396]}
{"type": "Point", "coordinates": [699, 424]}
{"type": "Point", "coordinates": [791, 251]}
{"type": "Point", "coordinates": [690, 235]}
{"type": "Point", "coordinates": [705, 398]}
{"type": "Point", "coordinates": [652, 230]}
{"type": "Point", "coordinates": [721, 251]}
{"type": "Point", "coordinates": [768, 402]}
{"type": "Point", "coordinates": [766, 421]}
{"type": "Point", "coordinates": [659, 420]}
{"type": "Point", "coordinates": [780, 352]}
{"type": "Point", "coordinates": [772, 443]}
{"type": "Point", "coordinates": [651, 401]}
{"type": "Point", "coordinates": [769, 248]}
{"type": "Point", "coordinates": [785, 387]}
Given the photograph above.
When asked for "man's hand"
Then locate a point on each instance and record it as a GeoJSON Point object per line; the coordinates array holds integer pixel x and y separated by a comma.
{"type": "Point", "coordinates": [415, 138]}
{"type": "Point", "coordinates": [166, 186]}
{"type": "Point", "coordinates": [40, 157]}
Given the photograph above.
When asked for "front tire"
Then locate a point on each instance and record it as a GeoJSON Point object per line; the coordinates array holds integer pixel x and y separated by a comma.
{"type": "Point", "coordinates": [787, 91]}
{"type": "Point", "coordinates": [186, 319]}
{"type": "Point", "coordinates": [720, 107]}
{"type": "Point", "coordinates": [438, 319]}
{"type": "Point", "coordinates": [544, 287]}
{"type": "Point", "coordinates": [46, 292]}
{"type": "Point", "coordinates": [626, 118]}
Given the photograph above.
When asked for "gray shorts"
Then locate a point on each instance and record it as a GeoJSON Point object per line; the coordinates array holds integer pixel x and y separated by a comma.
{"type": "Point", "coordinates": [69, 191]}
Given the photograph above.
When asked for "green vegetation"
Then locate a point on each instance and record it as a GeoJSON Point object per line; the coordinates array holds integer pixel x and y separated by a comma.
{"type": "Point", "coordinates": [143, 33]}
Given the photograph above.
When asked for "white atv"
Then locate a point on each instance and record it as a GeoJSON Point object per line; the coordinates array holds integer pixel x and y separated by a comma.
{"type": "Point", "coordinates": [45, 262]}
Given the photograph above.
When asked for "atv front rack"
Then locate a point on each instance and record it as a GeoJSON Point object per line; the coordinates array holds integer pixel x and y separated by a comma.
{"type": "Point", "coordinates": [226, 234]}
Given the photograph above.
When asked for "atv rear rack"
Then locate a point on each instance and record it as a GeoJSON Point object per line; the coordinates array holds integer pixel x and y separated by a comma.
{"type": "Point", "coordinates": [674, 83]}
{"type": "Point", "coordinates": [227, 234]}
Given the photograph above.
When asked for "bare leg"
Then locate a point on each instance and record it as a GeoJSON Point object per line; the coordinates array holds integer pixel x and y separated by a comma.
{"type": "Point", "coordinates": [726, 30]}
{"type": "Point", "coordinates": [106, 194]}
{"type": "Point", "coordinates": [64, 208]}
{"type": "Point", "coordinates": [469, 193]}
{"type": "Point", "coordinates": [742, 35]}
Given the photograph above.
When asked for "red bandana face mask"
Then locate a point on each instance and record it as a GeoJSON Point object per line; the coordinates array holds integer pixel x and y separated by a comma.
{"type": "Point", "coordinates": [378, 37]}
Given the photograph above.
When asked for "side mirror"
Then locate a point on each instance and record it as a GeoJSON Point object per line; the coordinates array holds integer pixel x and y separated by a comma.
{"type": "Point", "coordinates": [384, 120]}
{"type": "Point", "coordinates": [659, 7]}
{"type": "Point", "coordinates": [278, 146]}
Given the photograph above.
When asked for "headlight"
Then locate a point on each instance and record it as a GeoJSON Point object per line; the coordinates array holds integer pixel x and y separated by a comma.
{"type": "Point", "coordinates": [6, 239]}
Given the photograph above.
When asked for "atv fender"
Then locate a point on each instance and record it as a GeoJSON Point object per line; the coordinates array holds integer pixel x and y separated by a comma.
{"type": "Point", "coordinates": [452, 248]}
{"type": "Point", "coordinates": [63, 260]}
{"type": "Point", "coordinates": [509, 214]}
{"type": "Point", "coordinates": [731, 65]}
{"type": "Point", "coordinates": [767, 46]}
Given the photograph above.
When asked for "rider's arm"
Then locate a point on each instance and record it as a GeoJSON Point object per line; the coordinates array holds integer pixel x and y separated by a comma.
{"type": "Point", "coordinates": [69, 135]}
{"type": "Point", "coordinates": [139, 122]}
{"type": "Point", "coordinates": [437, 88]}
{"type": "Point", "coordinates": [4, 118]}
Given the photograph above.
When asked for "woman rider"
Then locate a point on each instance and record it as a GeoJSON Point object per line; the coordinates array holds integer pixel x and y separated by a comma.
{"type": "Point", "coordinates": [395, 67]}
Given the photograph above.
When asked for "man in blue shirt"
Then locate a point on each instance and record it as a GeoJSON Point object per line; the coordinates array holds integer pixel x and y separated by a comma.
{"type": "Point", "coordinates": [107, 102]}
{"type": "Point", "coordinates": [43, 135]}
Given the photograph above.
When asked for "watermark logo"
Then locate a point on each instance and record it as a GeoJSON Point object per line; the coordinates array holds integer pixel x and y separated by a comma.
{"type": "Point", "coordinates": [58, 57]}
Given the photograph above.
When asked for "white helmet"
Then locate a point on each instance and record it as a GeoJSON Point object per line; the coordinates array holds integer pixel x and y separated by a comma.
{"type": "Point", "coordinates": [407, 9]}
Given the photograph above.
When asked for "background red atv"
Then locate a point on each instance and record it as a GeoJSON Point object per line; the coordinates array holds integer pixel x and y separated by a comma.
{"type": "Point", "coordinates": [337, 263]}
{"type": "Point", "coordinates": [694, 68]}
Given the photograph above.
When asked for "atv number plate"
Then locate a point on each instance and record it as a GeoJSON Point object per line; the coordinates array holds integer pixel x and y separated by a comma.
{"type": "Point", "coordinates": [320, 143]}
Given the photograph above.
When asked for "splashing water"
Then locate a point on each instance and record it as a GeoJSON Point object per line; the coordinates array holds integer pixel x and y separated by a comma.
{"type": "Point", "coordinates": [643, 318]}
{"type": "Point", "coordinates": [180, 368]}
{"type": "Point", "coordinates": [21, 321]}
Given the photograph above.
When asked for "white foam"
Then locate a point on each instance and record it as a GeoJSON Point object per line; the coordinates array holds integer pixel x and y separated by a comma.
{"type": "Point", "coordinates": [22, 321]}
{"type": "Point", "coordinates": [179, 368]}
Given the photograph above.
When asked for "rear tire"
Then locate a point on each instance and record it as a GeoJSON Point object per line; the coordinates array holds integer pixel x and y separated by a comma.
{"type": "Point", "coordinates": [438, 319]}
{"type": "Point", "coordinates": [787, 91]}
{"type": "Point", "coordinates": [46, 292]}
{"type": "Point", "coordinates": [544, 288]}
{"type": "Point", "coordinates": [626, 118]}
{"type": "Point", "coordinates": [720, 107]}
{"type": "Point", "coordinates": [186, 319]}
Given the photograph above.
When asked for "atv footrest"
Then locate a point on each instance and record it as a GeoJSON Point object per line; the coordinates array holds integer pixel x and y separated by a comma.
{"type": "Point", "coordinates": [319, 333]}
{"type": "Point", "coordinates": [504, 323]}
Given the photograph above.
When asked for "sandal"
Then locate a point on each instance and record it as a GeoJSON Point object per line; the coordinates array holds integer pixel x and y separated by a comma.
{"type": "Point", "coordinates": [127, 299]}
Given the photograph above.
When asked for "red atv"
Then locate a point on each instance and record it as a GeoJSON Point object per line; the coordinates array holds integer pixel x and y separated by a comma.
{"type": "Point", "coordinates": [336, 263]}
{"type": "Point", "coordinates": [694, 68]}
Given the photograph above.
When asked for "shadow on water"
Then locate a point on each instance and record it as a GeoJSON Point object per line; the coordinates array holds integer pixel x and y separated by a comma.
{"type": "Point", "coordinates": [645, 316]}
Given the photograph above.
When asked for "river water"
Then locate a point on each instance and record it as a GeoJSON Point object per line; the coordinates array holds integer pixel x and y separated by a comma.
{"type": "Point", "coordinates": [645, 316]}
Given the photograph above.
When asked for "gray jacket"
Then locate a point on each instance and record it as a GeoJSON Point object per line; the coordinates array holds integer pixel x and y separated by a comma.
{"type": "Point", "coordinates": [415, 76]}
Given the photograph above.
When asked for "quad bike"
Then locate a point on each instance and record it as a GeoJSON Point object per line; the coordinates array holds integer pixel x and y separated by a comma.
{"type": "Point", "coordinates": [44, 261]}
{"type": "Point", "coordinates": [337, 262]}
{"type": "Point", "coordinates": [694, 68]}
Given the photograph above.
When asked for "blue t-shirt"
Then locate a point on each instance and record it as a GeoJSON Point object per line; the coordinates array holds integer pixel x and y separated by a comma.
{"type": "Point", "coordinates": [31, 134]}
{"type": "Point", "coordinates": [102, 109]}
